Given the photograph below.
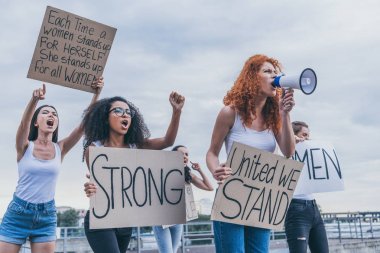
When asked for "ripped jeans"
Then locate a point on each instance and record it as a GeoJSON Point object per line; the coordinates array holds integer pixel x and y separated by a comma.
{"type": "Point", "coordinates": [304, 226]}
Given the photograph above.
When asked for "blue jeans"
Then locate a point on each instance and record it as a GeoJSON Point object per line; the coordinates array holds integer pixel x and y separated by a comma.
{"type": "Point", "coordinates": [304, 226]}
{"type": "Point", "coordinates": [168, 239]}
{"type": "Point", "coordinates": [240, 239]}
{"type": "Point", "coordinates": [24, 219]}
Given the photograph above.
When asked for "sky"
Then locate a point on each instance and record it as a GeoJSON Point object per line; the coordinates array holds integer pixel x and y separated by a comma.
{"type": "Point", "coordinates": [198, 48]}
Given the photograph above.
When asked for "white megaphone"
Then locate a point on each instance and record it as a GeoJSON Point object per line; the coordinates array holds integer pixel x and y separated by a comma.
{"type": "Point", "coordinates": [306, 81]}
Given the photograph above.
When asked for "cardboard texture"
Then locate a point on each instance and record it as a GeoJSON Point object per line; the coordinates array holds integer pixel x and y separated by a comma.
{"type": "Point", "coordinates": [136, 188]}
{"type": "Point", "coordinates": [259, 191]}
{"type": "Point", "coordinates": [71, 51]}
{"type": "Point", "coordinates": [191, 210]}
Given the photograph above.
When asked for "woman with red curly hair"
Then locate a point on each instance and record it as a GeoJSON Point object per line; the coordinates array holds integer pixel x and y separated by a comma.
{"type": "Point", "coordinates": [257, 115]}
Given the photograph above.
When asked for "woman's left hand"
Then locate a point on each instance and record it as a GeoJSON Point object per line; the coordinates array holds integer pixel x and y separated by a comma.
{"type": "Point", "coordinates": [287, 101]}
{"type": "Point", "coordinates": [177, 101]}
{"type": "Point", "coordinates": [195, 166]}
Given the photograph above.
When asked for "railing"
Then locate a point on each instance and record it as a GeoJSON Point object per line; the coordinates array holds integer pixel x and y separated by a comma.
{"type": "Point", "coordinates": [355, 229]}
{"type": "Point", "coordinates": [201, 233]}
{"type": "Point", "coordinates": [356, 225]}
{"type": "Point", "coordinates": [339, 227]}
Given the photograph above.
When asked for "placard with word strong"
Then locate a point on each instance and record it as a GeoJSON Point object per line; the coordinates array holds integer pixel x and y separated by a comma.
{"type": "Point", "coordinates": [136, 187]}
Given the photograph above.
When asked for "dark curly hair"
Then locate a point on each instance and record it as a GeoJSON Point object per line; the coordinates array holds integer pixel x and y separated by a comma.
{"type": "Point", "coordinates": [242, 95]}
{"type": "Point", "coordinates": [96, 125]}
{"type": "Point", "coordinates": [33, 130]}
{"type": "Point", "coordinates": [187, 169]}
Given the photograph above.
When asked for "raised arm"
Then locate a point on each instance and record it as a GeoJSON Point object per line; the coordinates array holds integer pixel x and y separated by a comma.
{"type": "Point", "coordinates": [67, 143]}
{"type": "Point", "coordinates": [24, 127]}
{"type": "Point", "coordinates": [285, 138]}
{"type": "Point", "coordinates": [177, 101]}
{"type": "Point", "coordinates": [223, 124]}
{"type": "Point", "coordinates": [203, 182]}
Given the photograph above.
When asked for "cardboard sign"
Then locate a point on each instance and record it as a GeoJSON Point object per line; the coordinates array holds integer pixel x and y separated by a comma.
{"type": "Point", "coordinates": [191, 210]}
{"type": "Point", "coordinates": [259, 191]}
{"type": "Point", "coordinates": [136, 187]}
{"type": "Point", "coordinates": [71, 51]}
{"type": "Point", "coordinates": [322, 171]}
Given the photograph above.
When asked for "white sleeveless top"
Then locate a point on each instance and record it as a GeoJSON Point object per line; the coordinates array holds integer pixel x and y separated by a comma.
{"type": "Point", "coordinates": [263, 140]}
{"type": "Point", "coordinates": [100, 144]}
{"type": "Point", "coordinates": [37, 177]}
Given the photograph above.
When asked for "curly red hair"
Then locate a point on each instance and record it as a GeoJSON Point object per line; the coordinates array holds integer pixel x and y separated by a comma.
{"type": "Point", "coordinates": [242, 96]}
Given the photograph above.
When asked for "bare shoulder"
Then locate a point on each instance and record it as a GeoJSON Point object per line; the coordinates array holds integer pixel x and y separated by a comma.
{"type": "Point", "coordinates": [228, 110]}
{"type": "Point", "coordinates": [227, 115]}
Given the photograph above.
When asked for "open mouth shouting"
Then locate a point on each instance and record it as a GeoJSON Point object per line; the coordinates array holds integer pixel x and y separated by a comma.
{"type": "Point", "coordinates": [125, 124]}
{"type": "Point", "coordinates": [50, 122]}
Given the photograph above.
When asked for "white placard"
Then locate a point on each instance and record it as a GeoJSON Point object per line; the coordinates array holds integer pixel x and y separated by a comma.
{"type": "Point", "coordinates": [322, 171]}
{"type": "Point", "coordinates": [136, 187]}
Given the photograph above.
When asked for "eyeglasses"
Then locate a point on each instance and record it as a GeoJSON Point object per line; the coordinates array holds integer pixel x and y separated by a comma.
{"type": "Point", "coordinates": [120, 112]}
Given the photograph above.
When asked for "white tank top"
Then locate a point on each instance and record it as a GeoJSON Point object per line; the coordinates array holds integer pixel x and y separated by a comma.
{"type": "Point", "coordinates": [37, 177]}
{"type": "Point", "coordinates": [263, 140]}
{"type": "Point", "coordinates": [100, 144]}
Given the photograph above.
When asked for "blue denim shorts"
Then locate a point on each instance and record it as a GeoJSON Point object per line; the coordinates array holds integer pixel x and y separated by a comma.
{"type": "Point", "coordinates": [23, 219]}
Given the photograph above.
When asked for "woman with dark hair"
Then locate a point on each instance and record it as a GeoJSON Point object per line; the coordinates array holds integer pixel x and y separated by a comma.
{"type": "Point", "coordinates": [32, 214]}
{"type": "Point", "coordinates": [301, 131]}
{"type": "Point", "coordinates": [168, 237]}
{"type": "Point", "coordinates": [257, 115]}
{"type": "Point", "coordinates": [303, 223]}
{"type": "Point", "coordinates": [116, 122]}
